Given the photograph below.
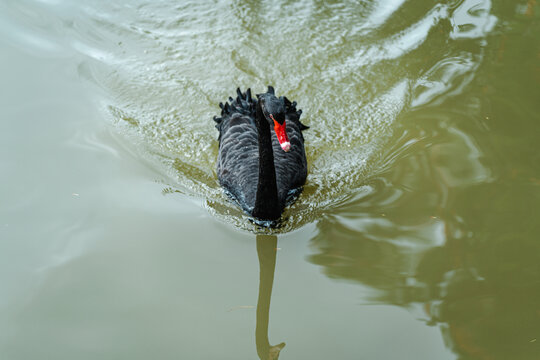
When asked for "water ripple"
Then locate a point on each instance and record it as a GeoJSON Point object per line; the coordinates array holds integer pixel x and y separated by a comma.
{"type": "Point", "coordinates": [354, 68]}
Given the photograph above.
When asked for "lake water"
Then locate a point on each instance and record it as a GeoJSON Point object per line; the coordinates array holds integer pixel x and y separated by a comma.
{"type": "Point", "coordinates": [417, 235]}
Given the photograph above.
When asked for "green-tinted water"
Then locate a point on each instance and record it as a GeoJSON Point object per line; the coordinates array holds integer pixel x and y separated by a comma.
{"type": "Point", "coordinates": [417, 235]}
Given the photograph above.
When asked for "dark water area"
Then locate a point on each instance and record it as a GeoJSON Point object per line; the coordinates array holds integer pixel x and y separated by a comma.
{"type": "Point", "coordinates": [417, 235]}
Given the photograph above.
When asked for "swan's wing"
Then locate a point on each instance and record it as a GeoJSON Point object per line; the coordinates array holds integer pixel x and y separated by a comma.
{"type": "Point", "coordinates": [291, 166]}
{"type": "Point", "coordinates": [238, 157]}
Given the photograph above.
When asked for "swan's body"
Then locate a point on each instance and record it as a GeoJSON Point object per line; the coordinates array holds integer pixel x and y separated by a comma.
{"type": "Point", "coordinates": [263, 174]}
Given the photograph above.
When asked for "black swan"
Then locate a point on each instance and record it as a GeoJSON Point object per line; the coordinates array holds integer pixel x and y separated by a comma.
{"type": "Point", "coordinates": [262, 170]}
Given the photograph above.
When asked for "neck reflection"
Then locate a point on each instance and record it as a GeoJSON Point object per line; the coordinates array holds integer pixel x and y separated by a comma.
{"type": "Point", "coordinates": [266, 249]}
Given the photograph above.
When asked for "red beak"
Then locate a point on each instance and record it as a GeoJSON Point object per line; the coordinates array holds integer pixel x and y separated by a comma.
{"type": "Point", "coordinates": [281, 132]}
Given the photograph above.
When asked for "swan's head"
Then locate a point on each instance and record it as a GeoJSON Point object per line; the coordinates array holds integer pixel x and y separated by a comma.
{"type": "Point", "coordinates": [273, 109]}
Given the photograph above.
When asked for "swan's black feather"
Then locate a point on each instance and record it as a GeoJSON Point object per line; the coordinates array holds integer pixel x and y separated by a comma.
{"type": "Point", "coordinates": [238, 159]}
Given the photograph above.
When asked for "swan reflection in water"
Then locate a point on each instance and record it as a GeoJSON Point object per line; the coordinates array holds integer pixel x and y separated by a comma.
{"type": "Point", "coordinates": [266, 250]}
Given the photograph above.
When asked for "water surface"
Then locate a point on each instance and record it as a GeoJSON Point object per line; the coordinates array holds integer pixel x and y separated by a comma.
{"type": "Point", "coordinates": [417, 232]}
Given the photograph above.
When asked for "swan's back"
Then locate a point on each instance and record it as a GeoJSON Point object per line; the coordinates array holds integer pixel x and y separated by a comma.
{"type": "Point", "coordinates": [238, 158]}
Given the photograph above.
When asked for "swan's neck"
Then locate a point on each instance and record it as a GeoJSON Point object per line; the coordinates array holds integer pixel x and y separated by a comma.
{"type": "Point", "coordinates": [266, 202]}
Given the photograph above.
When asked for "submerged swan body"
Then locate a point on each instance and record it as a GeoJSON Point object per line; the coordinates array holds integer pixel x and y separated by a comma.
{"type": "Point", "coordinates": [262, 169]}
